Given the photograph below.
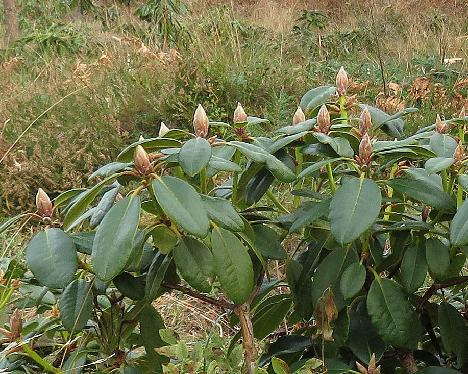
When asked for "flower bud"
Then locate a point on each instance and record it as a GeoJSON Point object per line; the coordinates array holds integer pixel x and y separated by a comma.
{"type": "Point", "coordinates": [459, 154]}
{"type": "Point", "coordinates": [141, 160]}
{"type": "Point", "coordinates": [365, 151]}
{"type": "Point", "coordinates": [323, 120]}
{"type": "Point", "coordinates": [366, 122]}
{"type": "Point", "coordinates": [440, 126]}
{"type": "Point", "coordinates": [239, 114]}
{"type": "Point", "coordinates": [44, 206]}
{"type": "Point", "coordinates": [299, 116]}
{"type": "Point", "coordinates": [163, 130]}
{"type": "Point", "coordinates": [342, 81]}
{"type": "Point", "coordinates": [200, 122]}
{"type": "Point", "coordinates": [141, 138]}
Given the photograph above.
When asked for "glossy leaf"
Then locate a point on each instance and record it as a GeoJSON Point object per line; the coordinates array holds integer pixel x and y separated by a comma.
{"type": "Point", "coordinates": [392, 314]}
{"type": "Point", "coordinates": [459, 226]}
{"type": "Point", "coordinates": [51, 256]}
{"type": "Point", "coordinates": [194, 155]}
{"type": "Point", "coordinates": [413, 268]}
{"type": "Point", "coordinates": [223, 213]}
{"type": "Point", "coordinates": [453, 331]}
{"type": "Point", "coordinates": [316, 97]}
{"type": "Point", "coordinates": [268, 242]}
{"type": "Point", "coordinates": [113, 243]}
{"type": "Point", "coordinates": [182, 204]}
{"type": "Point", "coordinates": [104, 206]}
{"type": "Point", "coordinates": [155, 276]}
{"type": "Point", "coordinates": [352, 280]}
{"type": "Point", "coordinates": [354, 208]}
{"type": "Point", "coordinates": [442, 145]}
{"type": "Point", "coordinates": [437, 257]}
{"type": "Point", "coordinates": [232, 264]}
{"type": "Point", "coordinates": [75, 305]}
{"type": "Point", "coordinates": [194, 261]}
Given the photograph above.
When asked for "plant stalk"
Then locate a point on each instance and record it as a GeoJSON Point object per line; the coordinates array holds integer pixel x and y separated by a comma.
{"type": "Point", "coordinates": [343, 111]}
{"type": "Point", "coordinates": [248, 341]}
{"type": "Point", "coordinates": [331, 180]}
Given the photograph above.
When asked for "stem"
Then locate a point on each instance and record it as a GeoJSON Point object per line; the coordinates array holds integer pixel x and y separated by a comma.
{"type": "Point", "coordinates": [459, 196]}
{"type": "Point", "coordinates": [203, 181]}
{"type": "Point", "coordinates": [388, 209]}
{"type": "Point", "coordinates": [33, 355]}
{"type": "Point", "coordinates": [331, 180]}
{"type": "Point", "coordinates": [276, 202]}
{"type": "Point", "coordinates": [443, 174]}
{"type": "Point", "coordinates": [235, 177]}
{"type": "Point", "coordinates": [299, 160]}
{"type": "Point", "coordinates": [248, 342]}
{"type": "Point", "coordinates": [438, 286]}
{"type": "Point", "coordinates": [343, 112]}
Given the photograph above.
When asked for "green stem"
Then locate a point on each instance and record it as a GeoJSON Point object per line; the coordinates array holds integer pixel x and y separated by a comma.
{"type": "Point", "coordinates": [388, 209]}
{"type": "Point", "coordinates": [459, 196]}
{"type": "Point", "coordinates": [443, 174]}
{"type": "Point", "coordinates": [343, 112]}
{"type": "Point", "coordinates": [203, 181]}
{"type": "Point", "coordinates": [235, 177]}
{"type": "Point", "coordinates": [276, 202]}
{"type": "Point", "coordinates": [331, 180]}
{"type": "Point", "coordinates": [45, 364]}
{"type": "Point", "coordinates": [299, 161]}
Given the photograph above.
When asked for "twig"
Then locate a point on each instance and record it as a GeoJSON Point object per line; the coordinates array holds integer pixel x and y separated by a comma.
{"type": "Point", "coordinates": [190, 292]}
{"type": "Point", "coordinates": [437, 286]}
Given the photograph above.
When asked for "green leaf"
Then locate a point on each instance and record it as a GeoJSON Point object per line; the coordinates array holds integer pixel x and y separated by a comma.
{"type": "Point", "coordinates": [413, 268]}
{"type": "Point", "coordinates": [51, 256]}
{"type": "Point", "coordinates": [391, 125]}
{"type": "Point", "coordinates": [220, 164]}
{"type": "Point", "coordinates": [130, 286]}
{"type": "Point", "coordinates": [76, 305]}
{"type": "Point", "coordinates": [269, 315]}
{"type": "Point", "coordinates": [329, 272]}
{"type": "Point", "coordinates": [316, 97]}
{"type": "Point", "coordinates": [150, 145]}
{"type": "Point", "coordinates": [423, 191]}
{"type": "Point", "coordinates": [155, 276]}
{"type": "Point", "coordinates": [308, 213]}
{"type": "Point", "coordinates": [340, 145]}
{"type": "Point", "coordinates": [111, 168]}
{"type": "Point", "coordinates": [279, 366]}
{"type": "Point", "coordinates": [354, 208]}
{"type": "Point", "coordinates": [437, 257]}
{"type": "Point", "coordinates": [459, 226]}
{"type": "Point", "coordinates": [113, 243]}
{"type": "Point", "coordinates": [84, 200]}
{"type": "Point", "coordinates": [442, 145]}
{"type": "Point", "coordinates": [223, 213]}
{"type": "Point", "coordinates": [150, 324]}
{"type": "Point", "coordinates": [104, 206]}
{"type": "Point", "coordinates": [352, 280]}
{"type": "Point", "coordinates": [11, 221]}
{"type": "Point", "coordinates": [195, 263]}
{"type": "Point", "coordinates": [164, 238]}
{"type": "Point", "coordinates": [391, 314]}
{"type": "Point", "coordinates": [296, 129]}
{"type": "Point", "coordinates": [182, 204]}
{"type": "Point", "coordinates": [436, 164]}
{"type": "Point", "coordinates": [232, 264]}
{"type": "Point", "coordinates": [194, 155]}
{"type": "Point", "coordinates": [453, 331]}
{"type": "Point", "coordinates": [317, 166]}
{"type": "Point", "coordinates": [268, 242]}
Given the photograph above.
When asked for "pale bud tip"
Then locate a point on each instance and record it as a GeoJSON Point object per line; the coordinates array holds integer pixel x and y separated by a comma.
{"type": "Point", "coordinates": [342, 81]}
{"type": "Point", "coordinates": [239, 114]}
{"type": "Point", "coordinates": [366, 122]}
{"type": "Point", "coordinates": [323, 119]}
{"type": "Point", "coordinates": [141, 160]}
{"type": "Point", "coordinates": [440, 126]}
{"type": "Point", "coordinates": [163, 130]}
{"type": "Point", "coordinates": [43, 204]}
{"type": "Point", "coordinates": [200, 122]}
{"type": "Point", "coordinates": [299, 116]}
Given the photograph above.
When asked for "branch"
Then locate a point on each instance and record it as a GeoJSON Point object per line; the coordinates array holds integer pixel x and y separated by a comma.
{"type": "Point", "coordinates": [438, 286]}
{"type": "Point", "coordinates": [193, 293]}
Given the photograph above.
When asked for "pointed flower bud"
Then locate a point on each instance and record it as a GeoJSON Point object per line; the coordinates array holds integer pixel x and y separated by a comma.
{"type": "Point", "coordinates": [200, 122]}
{"type": "Point", "coordinates": [299, 116]}
{"type": "Point", "coordinates": [440, 126]}
{"type": "Point", "coordinates": [366, 122]}
{"type": "Point", "coordinates": [239, 114]}
{"type": "Point", "coordinates": [342, 81]}
{"type": "Point", "coordinates": [163, 130]}
{"type": "Point", "coordinates": [44, 206]}
{"type": "Point", "coordinates": [141, 160]}
{"type": "Point", "coordinates": [365, 151]}
{"type": "Point", "coordinates": [323, 120]}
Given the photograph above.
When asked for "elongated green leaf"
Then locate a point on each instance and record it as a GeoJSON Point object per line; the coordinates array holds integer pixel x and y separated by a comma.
{"type": "Point", "coordinates": [284, 141]}
{"type": "Point", "coordinates": [84, 200]}
{"type": "Point", "coordinates": [66, 196]}
{"type": "Point", "coordinates": [269, 314]}
{"type": "Point", "coordinates": [354, 208]}
{"type": "Point", "coordinates": [164, 239]}
{"type": "Point", "coordinates": [279, 366]}
{"type": "Point", "coordinates": [150, 324]}
{"type": "Point", "coordinates": [392, 314]}
{"type": "Point", "coordinates": [51, 256]}
{"type": "Point", "coordinates": [150, 145]}
{"type": "Point", "coordinates": [352, 280]}
{"type": "Point", "coordinates": [233, 265]}
{"type": "Point", "coordinates": [218, 163]}
{"type": "Point", "coordinates": [155, 276]}
{"type": "Point", "coordinates": [436, 164]}
{"type": "Point", "coordinates": [223, 213]}
{"type": "Point", "coordinates": [109, 169]}
{"type": "Point", "coordinates": [437, 257]}
{"type": "Point", "coordinates": [308, 213]}
{"type": "Point", "coordinates": [317, 166]}
{"type": "Point", "coordinates": [194, 155]}
{"type": "Point", "coordinates": [130, 286]}
{"type": "Point", "coordinates": [459, 226]}
{"type": "Point", "coordinates": [76, 304]}
{"type": "Point", "coordinates": [391, 125]}
{"type": "Point", "coordinates": [316, 97]}
{"type": "Point", "coordinates": [329, 272]}
{"type": "Point", "coordinates": [340, 145]}
{"type": "Point", "coordinates": [413, 268]}
{"type": "Point", "coordinates": [268, 242]}
{"type": "Point", "coordinates": [296, 129]}
{"type": "Point", "coordinates": [104, 206]}
{"type": "Point", "coordinates": [113, 243]}
{"type": "Point", "coordinates": [10, 222]}
{"type": "Point", "coordinates": [195, 263]}
{"type": "Point", "coordinates": [453, 331]}
{"type": "Point", "coordinates": [442, 145]}
{"type": "Point", "coordinates": [423, 191]}
{"type": "Point", "coordinates": [182, 204]}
